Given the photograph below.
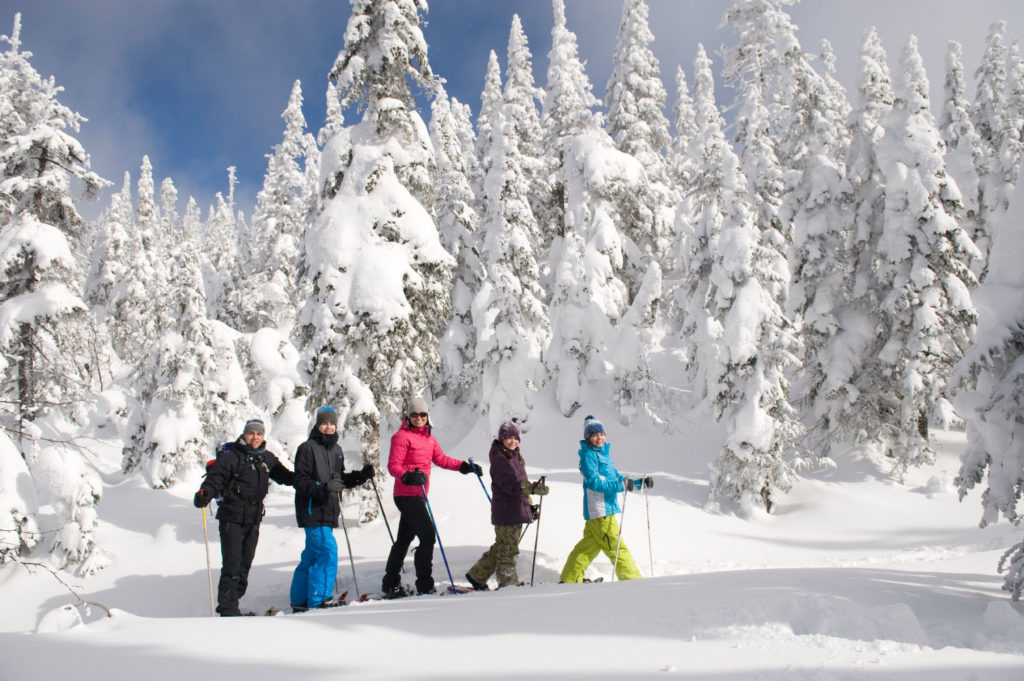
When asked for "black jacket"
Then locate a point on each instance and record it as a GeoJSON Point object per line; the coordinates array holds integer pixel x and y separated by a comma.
{"type": "Point", "coordinates": [243, 474]}
{"type": "Point", "coordinates": [317, 460]}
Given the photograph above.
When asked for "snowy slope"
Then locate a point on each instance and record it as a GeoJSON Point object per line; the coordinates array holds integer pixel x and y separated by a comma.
{"type": "Point", "coordinates": [853, 577]}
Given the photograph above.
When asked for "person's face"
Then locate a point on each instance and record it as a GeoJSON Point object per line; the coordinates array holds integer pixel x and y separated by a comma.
{"type": "Point", "coordinates": [418, 419]}
{"type": "Point", "coordinates": [253, 438]}
{"type": "Point", "coordinates": [327, 427]}
{"type": "Point", "coordinates": [597, 439]}
{"type": "Point", "coordinates": [510, 443]}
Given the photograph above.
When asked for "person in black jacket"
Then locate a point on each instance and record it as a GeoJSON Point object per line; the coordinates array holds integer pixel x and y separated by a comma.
{"type": "Point", "coordinates": [319, 479]}
{"type": "Point", "coordinates": [241, 475]}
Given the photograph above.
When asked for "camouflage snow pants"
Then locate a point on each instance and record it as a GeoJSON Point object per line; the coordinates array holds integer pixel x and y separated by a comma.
{"type": "Point", "coordinates": [500, 559]}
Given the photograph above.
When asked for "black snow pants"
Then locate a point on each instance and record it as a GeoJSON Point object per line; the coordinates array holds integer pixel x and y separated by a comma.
{"type": "Point", "coordinates": [237, 549]}
{"type": "Point", "coordinates": [414, 522]}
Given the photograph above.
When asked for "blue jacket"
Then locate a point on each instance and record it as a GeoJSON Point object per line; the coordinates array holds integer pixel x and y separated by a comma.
{"type": "Point", "coordinates": [601, 481]}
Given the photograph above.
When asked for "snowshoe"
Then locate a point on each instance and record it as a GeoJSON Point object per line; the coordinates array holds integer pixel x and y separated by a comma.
{"type": "Point", "coordinates": [396, 592]}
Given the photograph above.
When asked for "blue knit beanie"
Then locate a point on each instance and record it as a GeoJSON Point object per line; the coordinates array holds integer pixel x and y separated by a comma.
{"type": "Point", "coordinates": [590, 426]}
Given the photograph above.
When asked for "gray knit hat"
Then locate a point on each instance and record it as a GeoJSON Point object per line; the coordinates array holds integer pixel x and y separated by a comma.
{"type": "Point", "coordinates": [417, 404]}
{"type": "Point", "coordinates": [253, 426]}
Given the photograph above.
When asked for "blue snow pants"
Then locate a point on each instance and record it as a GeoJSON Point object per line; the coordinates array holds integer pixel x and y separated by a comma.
{"type": "Point", "coordinates": [313, 581]}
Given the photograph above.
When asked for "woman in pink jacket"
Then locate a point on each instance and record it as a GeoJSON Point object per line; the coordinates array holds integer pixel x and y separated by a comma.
{"type": "Point", "coordinates": [413, 450]}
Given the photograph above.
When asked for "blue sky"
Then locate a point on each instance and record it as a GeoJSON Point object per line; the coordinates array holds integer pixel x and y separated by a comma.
{"type": "Point", "coordinates": [199, 85]}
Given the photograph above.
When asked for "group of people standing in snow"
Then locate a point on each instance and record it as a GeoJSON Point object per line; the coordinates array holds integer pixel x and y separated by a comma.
{"type": "Point", "coordinates": [240, 477]}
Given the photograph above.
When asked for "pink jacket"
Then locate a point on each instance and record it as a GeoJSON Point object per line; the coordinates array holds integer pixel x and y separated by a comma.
{"type": "Point", "coordinates": [413, 448]}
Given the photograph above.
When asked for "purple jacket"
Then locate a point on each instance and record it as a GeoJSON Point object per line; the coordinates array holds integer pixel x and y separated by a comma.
{"type": "Point", "coordinates": [510, 505]}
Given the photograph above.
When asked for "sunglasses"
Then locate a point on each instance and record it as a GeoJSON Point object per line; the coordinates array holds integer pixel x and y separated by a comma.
{"type": "Point", "coordinates": [418, 414]}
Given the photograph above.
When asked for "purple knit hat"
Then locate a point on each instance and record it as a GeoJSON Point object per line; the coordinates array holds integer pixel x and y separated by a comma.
{"type": "Point", "coordinates": [507, 430]}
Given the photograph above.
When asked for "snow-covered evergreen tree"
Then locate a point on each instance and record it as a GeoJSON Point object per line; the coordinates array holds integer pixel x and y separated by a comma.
{"type": "Point", "coordinates": [521, 97]}
{"type": "Point", "coordinates": [458, 223]}
{"type": "Point", "coordinates": [111, 256]}
{"type": "Point", "coordinates": [707, 146]}
{"type": "Point", "coordinates": [964, 153]}
{"type": "Point", "coordinates": [684, 126]}
{"type": "Point", "coordinates": [990, 78]}
{"type": "Point", "coordinates": [990, 397]}
{"type": "Point", "coordinates": [220, 252]}
{"type": "Point", "coordinates": [683, 174]}
{"type": "Point", "coordinates": [45, 326]}
{"type": "Point", "coordinates": [44, 323]}
{"type": "Point", "coordinates": [600, 188]}
{"type": "Point", "coordinates": [266, 295]}
{"type": "Point", "coordinates": [379, 276]}
{"type": "Point", "coordinates": [805, 116]}
{"type": "Point", "coordinates": [854, 388]}
{"type": "Point", "coordinates": [989, 119]}
{"type": "Point", "coordinates": [567, 111]}
{"type": "Point", "coordinates": [1012, 144]}
{"type": "Point", "coordinates": [752, 346]}
{"type": "Point", "coordinates": [200, 397]}
{"type": "Point", "coordinates": [512, 325]}
{"type": "Point", "coordinates": [927, 313]}
{"type": "Point", "coordinates": [635, 99]}
{"type": "Point", "coordinates": [385, 52]}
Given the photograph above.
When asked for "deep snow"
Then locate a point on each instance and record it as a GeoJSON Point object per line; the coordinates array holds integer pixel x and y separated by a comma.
{"type": "Point", "coordinates": [853, 577]}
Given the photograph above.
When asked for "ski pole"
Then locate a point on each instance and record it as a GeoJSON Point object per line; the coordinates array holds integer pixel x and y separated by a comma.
{"type": "Point", "coordinates": [209, 570]}
{"type": "Point", "coordinates": [438, 535]}
{"type": "Point", "coordinates": [481, 479]}
{"type": "Point", "coordinates": [618, 540]}
{"type": "Point", "coordinates": [351, 561]}
{"type": "Point", "coordinates": [382, 513]}
{"type": "Point", "coordinates": [647, 507]}
{"type": "Point", "coordinates": [536, 537]}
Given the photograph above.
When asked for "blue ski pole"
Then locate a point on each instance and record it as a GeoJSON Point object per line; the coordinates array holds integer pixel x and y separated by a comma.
{"type": "Point", "coordinates": [438, 535]}
{"type": "Point", "coordinates": [481, 479]}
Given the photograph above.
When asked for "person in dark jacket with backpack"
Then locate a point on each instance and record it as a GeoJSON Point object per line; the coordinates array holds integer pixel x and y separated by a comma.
{"type": "Point", "coordinates": [510, 510]}
{"type": "Point", "coordinates": [241, 476]}
{"type": "Point", "coordinates": [320, 478]}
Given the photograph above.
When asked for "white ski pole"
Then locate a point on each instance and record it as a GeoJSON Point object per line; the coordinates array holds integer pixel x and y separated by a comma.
{"type": "Point", "coordinates": [618, 539]}
{"type": "Point", "coordinates": [647, 507]}
{"type": "Point", "coordinates": [348, 545]}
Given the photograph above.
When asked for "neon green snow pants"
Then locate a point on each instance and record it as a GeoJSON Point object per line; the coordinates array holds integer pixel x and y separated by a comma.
{"type": "Point", "coordinates": [600, 534]}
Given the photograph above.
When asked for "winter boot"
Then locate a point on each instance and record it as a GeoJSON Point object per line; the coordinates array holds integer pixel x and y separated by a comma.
{"type": "Point", "coordinates": [477, 586]}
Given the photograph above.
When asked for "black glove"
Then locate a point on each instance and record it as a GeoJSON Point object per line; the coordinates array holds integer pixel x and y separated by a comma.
{"type": "Point", "coordinates": [535, 511]}
{"type": "Point", "coordinates": [335, 485]}
{"type": "Point", "coordinates": [627, 484]}
{"type": "Point", "coordinates": [414, 478]}
{"type": "Point", "coordinates": [648, 481]}
{"type": "Point", "coordinates": [201, 499]}
{"type": "Point", "coordinates": [367, 472]}
{"type": "Point", "coordinates": [466, 467]}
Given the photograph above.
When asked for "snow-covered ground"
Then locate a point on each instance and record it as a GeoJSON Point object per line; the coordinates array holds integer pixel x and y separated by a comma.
{"type": "Point", "coordinates": [853, 577]}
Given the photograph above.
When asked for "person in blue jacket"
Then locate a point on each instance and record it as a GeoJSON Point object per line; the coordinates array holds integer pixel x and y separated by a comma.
{"type": "Point", "coordinates": [601, 486]}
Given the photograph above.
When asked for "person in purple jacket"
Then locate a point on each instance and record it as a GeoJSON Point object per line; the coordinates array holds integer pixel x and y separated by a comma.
{"type": "Point", "coordinates": [510, 510]}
